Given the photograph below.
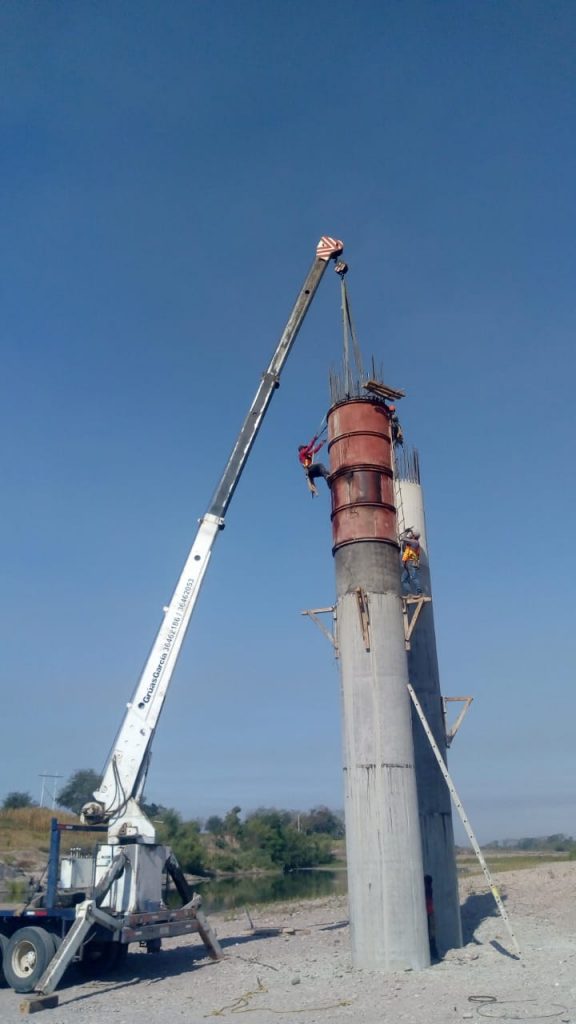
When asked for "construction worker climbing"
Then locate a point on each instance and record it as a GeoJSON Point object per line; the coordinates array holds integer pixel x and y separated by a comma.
{"type": "Point", "coordinates": [313, 470]}
{"type": "Point", "coordinates": [410, 546]}
{"type": "Point", "coordinates": [395, 428]}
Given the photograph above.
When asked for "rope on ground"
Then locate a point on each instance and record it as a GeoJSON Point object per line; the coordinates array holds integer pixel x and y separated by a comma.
{"type": "Point", "coordinates": [496, 1009]}
{"type": "Point", "coordinates": [242, 1005]}
{"type": "Point", "coordinates": [300, 1009]}
{"type": "Point", "coordinates": [251, 960]}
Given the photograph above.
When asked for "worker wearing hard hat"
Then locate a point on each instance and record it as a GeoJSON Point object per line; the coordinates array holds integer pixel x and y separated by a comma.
{"type": "Point", "coordinates": [395, 428]}
{"type": "Point", "coordinates": [313, 470]}
{"type": "Point", "coordinates": [410, 547]}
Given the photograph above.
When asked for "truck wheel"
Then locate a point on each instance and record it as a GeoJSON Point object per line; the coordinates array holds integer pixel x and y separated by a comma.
{"type": "Point", "coordinates": [3, 947]}
{"type": "Point", "coordinates": [100, 958]}
{"type": "Point", "coordinates": [27, 956]}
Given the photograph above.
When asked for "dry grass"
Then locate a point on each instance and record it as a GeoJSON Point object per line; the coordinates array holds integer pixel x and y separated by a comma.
{"type": "Point", "coordinates": [25, 835]}
{"type": "Point", "coordinates": [32, 818]}
{"type": "Point", "coordinates": [515, 860]}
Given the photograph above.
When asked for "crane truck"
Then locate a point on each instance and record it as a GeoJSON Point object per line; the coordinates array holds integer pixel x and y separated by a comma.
{"type": "Point", "coordinates": [94, 907]}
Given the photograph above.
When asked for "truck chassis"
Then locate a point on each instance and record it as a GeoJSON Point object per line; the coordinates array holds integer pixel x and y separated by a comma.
{"type": "Point", "coordinates": [39, 941]}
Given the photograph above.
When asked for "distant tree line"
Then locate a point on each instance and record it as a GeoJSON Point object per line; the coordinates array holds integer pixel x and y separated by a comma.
{"type": "Point", "coordinates": [558, 843]}
{"type": "Point", "coordinates": [262, 840]}
{"type": "Point", "coordinates": [74, 794]}
{"type": "Point", "coordinates": [15, 800]}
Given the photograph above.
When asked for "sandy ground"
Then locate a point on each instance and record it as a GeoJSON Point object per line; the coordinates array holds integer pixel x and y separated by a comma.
{"type": "Point", "coordinates": [304, 974]}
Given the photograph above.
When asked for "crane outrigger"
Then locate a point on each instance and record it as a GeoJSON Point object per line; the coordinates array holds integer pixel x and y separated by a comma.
{"type": "Point", "coordinates": [99, 905]}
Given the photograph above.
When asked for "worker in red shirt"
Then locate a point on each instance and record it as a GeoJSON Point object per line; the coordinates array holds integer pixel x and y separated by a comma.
{"type": "Point", "coordinates": [395, 428]}
{"type": "Point", "coordinates": [431, 917]}
{"type": "Point", "coordinates": [313, 470]}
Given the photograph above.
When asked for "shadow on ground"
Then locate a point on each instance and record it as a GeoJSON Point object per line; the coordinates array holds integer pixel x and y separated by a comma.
{"type": "Point", "coordinates": [502, 949]}
{"type": "Point", "coordinates": [476, 909]}
{"type": "Point", "coordinates": [152, 967]}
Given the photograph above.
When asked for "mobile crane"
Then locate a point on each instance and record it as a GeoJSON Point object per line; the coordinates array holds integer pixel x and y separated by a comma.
{"type": "Point", "coordinates": [94, 907]}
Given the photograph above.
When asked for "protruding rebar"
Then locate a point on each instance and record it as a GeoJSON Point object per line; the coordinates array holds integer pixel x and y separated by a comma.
{"type": "Point", "coordinates": [408, 464]}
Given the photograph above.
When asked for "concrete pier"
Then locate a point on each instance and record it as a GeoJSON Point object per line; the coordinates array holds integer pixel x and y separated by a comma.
{"type": "Point", "coordinates": [385, 870]}
{"type": "Point", "coordinates": [433, 796]}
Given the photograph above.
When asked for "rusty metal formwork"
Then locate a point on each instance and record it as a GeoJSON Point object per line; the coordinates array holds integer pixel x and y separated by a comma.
{"type": "Point", "coordinates": [362, 484]}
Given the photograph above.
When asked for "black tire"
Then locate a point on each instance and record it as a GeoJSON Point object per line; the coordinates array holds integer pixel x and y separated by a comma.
{"type": "Point", "coordinates": [123, 948]}
{"type": "Point", "coordinates": [57, 940]}
{"type": "Point", "coordinates": [27, 956]}
{"type": "Point", "coordinates": [101, 958]}
{"type": "Point", "coordinates": [3, 948]}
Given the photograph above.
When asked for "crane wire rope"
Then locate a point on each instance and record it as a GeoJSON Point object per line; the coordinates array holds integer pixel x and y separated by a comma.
{"type": "Point", "coordinates": [350, 335]}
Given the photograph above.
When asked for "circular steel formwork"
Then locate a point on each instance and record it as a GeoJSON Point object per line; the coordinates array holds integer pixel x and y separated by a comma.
{"type": "Point", "coordinates": [360, 447]}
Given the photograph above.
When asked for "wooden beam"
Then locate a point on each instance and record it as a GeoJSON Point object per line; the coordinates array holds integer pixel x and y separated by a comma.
{"type": "Point", "coordinates": [36, 1003]}
{"type": "Point", "coordinates": [453, 729]}
{"type": "Point", "coordinates": [383, 390]}
{"type": "Point", "coordinates": [313, 614]}
{"type": "Point", "coordinates": [409, 623]}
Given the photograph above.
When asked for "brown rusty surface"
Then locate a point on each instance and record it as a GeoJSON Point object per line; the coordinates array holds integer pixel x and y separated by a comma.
{"type": "Point", "coordinates": [159, 931]}
{"type": "Point", "coordinates": [362, 487]}
{"type": "Point", "coordinates": [160, 916]}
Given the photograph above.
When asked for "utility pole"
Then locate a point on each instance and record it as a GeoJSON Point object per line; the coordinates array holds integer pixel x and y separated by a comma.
{"type": "Point", "coordinates": [44, 776]}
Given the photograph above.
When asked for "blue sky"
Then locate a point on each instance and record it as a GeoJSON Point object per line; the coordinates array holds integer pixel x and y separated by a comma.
{"type": "Point", "coordinates": [166, 172]}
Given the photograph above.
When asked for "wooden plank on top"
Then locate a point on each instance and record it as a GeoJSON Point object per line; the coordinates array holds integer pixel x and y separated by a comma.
{"type": "Point", "coordinates": [383, 390]}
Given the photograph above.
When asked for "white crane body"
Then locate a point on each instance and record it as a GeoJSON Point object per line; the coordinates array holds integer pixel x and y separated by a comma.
{"type": "Point", "coordinates": [97, 908]}
{"type": "Point", "coordinates": [116, 801]}
{"type": "Point", "coordinates": [125, 772]}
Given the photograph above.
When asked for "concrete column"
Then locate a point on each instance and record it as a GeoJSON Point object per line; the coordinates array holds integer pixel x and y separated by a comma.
{"type": "Point", "coordinates": [385, 872]}
{"type": "Point", "coordinates": [433, 795]}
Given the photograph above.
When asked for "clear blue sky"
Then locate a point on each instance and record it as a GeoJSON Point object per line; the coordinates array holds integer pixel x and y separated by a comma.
{"type": "Point", "coordinates": [167, 169]}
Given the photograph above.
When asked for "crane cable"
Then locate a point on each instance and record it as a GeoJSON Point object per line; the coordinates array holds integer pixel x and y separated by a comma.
{"type": "Point", "coordinates": [349, 333]}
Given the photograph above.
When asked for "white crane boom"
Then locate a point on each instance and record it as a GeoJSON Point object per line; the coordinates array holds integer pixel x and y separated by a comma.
{"type": "Point", "coordinates": [116, 799]}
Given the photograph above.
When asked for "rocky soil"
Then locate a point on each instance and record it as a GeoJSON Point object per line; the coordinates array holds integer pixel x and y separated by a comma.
{"type": "Point", "coordinates": [300, 969]}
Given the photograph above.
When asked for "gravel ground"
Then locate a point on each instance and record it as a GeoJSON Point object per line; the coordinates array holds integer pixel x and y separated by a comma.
{"type": "Point", "coordinates": [301, 970]}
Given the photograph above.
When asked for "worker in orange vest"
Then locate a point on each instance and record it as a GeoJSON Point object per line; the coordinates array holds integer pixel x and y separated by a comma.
{"type": "Point", "coordinates": [313, 470]}
{"type": "Point", "coordinates": [410, 546]}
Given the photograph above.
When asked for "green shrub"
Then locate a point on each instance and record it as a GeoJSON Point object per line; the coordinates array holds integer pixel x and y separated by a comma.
{"type": "Point", "coordinates": [17, 889]}
{"type": "Point", "coordinates": [226, 860]}
{"type": "Point", "coordinates": [184, 838]}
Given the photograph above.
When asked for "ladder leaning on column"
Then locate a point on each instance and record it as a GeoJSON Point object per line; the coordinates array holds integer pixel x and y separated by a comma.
{"type": "Point", "coordinates": [415, 601]}
{"type": "Point", "coordinates": [463, 817]}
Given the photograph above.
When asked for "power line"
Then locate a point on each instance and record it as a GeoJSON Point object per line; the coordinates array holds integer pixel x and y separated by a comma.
{"type": "Point", "coordinates": [48, 775]}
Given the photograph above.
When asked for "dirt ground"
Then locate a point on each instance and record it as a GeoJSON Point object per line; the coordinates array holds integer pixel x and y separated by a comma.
{"type": "Point", "coordinates": [304, 972]}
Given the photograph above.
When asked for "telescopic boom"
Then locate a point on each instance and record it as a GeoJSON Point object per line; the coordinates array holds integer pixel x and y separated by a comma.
{"type": "Point", "coordinates": [116, 800]}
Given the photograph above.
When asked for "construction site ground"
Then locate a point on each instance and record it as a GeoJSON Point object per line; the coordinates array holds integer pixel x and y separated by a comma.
{"type": "Point", "coordinates": [296, 966]}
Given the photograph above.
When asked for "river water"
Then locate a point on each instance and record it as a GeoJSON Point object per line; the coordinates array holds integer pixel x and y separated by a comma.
{"type": "Point", "coordinates": [248, 891]}
{"type": "Point", "coordinates": [231, 893]}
